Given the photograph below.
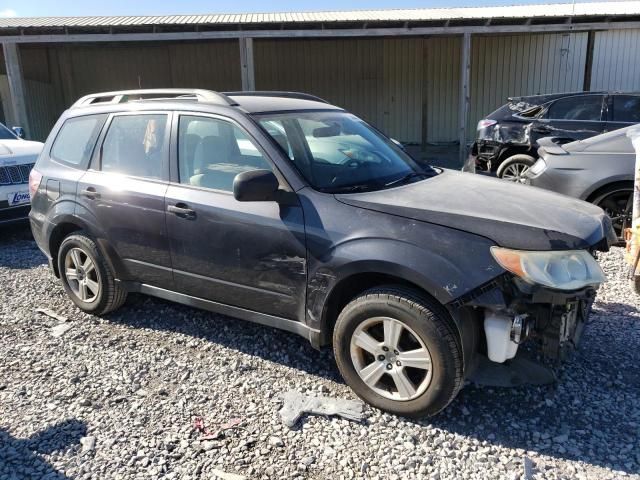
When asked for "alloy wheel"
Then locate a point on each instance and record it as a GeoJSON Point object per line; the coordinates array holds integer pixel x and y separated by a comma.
{"type": "Point", "coordinates": [391, 359]}
{"type": "Point", "coordinates": [82, 275]}
{"type": "Point", "coordinates": [516, 172]}
{"type": "Point", "coordinates": [618, 206]}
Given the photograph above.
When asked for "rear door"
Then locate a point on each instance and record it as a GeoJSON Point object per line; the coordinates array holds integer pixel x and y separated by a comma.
{"type": "Point", "coordinates": [245, 254]}
{"type": "Point", "coordinates": [573, 118]}
{"type": "Point", "coordinates": [122, 194]}
{"type": "Point", "coordinates": [624, 110]}
{"type": "Point", "coordinates": [65, 160]}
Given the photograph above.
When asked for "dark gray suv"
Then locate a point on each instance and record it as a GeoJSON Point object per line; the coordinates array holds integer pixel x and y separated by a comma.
{"type": "Point", "coordinates": [281, 209]}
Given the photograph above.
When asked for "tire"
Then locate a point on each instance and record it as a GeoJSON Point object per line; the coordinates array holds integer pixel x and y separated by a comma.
{"type": "Point", "coordinates": [617, 202]}
{"type": "Point", "coordinates": [514, 167]}
{"type": "Point", "coordinates": [102, 293]}
{"type": "Point", "coordinates": [424, 323]}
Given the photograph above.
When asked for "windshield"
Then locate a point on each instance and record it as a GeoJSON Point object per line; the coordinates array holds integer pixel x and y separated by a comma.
{"type": "Point", "coordinates": [6, 134]}
{"type": "Point", "coordinates": [338, 152]}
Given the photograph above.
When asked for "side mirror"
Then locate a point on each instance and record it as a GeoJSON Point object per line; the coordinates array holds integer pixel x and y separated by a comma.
{"type": "Point", "coordinates": [19, 131]}
{"type": "Point", "coordinates": [255, 186]}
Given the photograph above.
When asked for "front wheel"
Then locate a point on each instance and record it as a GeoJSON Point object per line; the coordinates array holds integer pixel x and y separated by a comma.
{"type": "Point", "coordinates": [515, 168]}
{"type": "Point", "coordinates": [86, 276]}
{"type": "Point", "coordinates": [399, 352]}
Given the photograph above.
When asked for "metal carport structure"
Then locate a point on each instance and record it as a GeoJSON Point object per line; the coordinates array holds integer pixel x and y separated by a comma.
{"type": "Point", "coordinates": [423, 75]}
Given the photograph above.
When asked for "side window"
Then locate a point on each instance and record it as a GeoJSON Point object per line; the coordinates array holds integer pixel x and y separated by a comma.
{"type": "Point", "coordinates": [587, 107]}
{"type": "Point", "coordinates": [75, 140]}
{"type": "Point", "coordinates": [626, 108]}
{"type": "Point", "coordinates": [134, 145]}
{"type": "Point", "coordinates": [212, 152]}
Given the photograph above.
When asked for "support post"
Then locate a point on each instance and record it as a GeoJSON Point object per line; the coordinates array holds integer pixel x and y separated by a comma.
{"type": "Point", "coordinates": [246, 64]}
{"type": "Point", "coordinates": [588, 64]}
{"type": "Point", "coordinates": [465, 79]}
{"type": "Point", "coordinates": [16, 87]}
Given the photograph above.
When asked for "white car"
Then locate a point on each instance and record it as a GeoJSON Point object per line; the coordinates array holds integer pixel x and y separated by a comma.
{"type": "Point", "coordinates": [17, 157]}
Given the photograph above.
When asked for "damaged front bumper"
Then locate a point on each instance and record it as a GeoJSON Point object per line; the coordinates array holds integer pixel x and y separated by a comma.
{"type": "Point", "coordinates": [513, 311]}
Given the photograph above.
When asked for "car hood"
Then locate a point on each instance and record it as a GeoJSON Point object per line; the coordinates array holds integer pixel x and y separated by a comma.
{"type": "Point", "coordinates": [511, 215]}
{"type": "Point", "coordinates": [17, 151]}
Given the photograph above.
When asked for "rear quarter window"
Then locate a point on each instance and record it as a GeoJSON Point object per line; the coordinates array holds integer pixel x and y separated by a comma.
{"type": "Point", "coordinates": [76, 139]}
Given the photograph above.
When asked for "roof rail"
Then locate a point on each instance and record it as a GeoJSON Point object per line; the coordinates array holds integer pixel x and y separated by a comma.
{"type": "Point", "coordinates": [276, 93]}
{"type": "Point", "coordinates": [124, 96]}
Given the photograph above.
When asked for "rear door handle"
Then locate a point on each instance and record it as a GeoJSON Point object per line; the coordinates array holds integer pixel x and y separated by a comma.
{"type": "Point", "coordinates": [90, 192]}
{"type": "Point", "coordinates": [182, 210]}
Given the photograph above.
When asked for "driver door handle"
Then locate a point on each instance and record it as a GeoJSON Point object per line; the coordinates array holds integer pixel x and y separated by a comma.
{"type": "Point", "coordinates": [182, 210]}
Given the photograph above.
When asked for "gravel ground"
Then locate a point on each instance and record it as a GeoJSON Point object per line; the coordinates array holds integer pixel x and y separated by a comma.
{"type": "Point", "coordinates": [116, 398]}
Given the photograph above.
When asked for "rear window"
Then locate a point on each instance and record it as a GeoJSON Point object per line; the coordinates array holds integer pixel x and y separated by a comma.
{"type": "Point", "coordinates": [76, 139]}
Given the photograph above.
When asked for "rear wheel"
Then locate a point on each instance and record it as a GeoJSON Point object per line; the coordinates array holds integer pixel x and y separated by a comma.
{"type": "Point", "coordinates": [515, 167]}
{"type": "Point", "coordinates": [617, 202]}
{"type": "Point", "coordinates": [86, 276]}
{"type": "Point", "coordinates": [398, 351]}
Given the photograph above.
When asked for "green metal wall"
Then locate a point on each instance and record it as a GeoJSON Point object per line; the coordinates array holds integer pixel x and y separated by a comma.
{"type": "Point", "coordinates": [408, 87]}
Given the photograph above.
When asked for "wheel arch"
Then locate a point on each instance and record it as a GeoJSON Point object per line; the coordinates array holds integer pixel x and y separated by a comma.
{"type": "Point", "coordinates": [511, 150]}
{"type": "Point", "coordinates": [65, 225]}
{"type": "Point", "coordinates": [610, 183]}
{"type": "Point", "coordinates": [352, 285]}
{"type": "Point", "coordinates": [56, 237]}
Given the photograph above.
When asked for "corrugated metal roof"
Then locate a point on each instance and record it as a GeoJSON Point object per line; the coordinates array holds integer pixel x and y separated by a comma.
{"type": "Point", "coordinates": [422, 14]}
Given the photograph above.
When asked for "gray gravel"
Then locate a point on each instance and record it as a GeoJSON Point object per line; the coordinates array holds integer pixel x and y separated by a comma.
{"type": "Point", "coordinates": [117, 397]}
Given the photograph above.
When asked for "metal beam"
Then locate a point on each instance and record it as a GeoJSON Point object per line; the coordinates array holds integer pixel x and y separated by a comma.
{"type": "Point", "coordinates": [360, 32]}
{"type": "Point", "coordinates": [588, 64]}
{"type": "Point", "coordinates": [465, 79]}
{"type": "Point", "coordinates": [16, 87]}
{"type": "Point", "coordinates": [247, 70]}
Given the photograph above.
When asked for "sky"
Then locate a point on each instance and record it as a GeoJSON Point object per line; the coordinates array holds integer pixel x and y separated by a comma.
{"type": "Point", "coordinates": [35, 8]}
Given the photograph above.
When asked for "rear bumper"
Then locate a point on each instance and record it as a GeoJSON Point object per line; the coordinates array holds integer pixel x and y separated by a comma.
{"type": "Point", "coordinates": [573, 183]}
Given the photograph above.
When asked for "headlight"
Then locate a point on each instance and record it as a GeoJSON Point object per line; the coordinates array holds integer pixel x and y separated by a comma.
{"type": "Point", "coordinates": [538, 167]}
{"type": "Point", "coordinates": [561, 270]}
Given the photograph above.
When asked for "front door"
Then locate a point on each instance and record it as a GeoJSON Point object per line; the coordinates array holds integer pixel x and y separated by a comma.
{"type": "Point", "coordinates": [123, 195]}
{"type": "Point", "coordinates": [245, 254]}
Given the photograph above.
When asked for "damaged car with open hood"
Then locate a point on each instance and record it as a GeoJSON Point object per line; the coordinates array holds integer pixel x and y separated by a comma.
{"type": "Point", "coordinates": [282, 209]}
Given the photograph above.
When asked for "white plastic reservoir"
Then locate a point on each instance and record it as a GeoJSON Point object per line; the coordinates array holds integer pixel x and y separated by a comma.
{"type": "Point", "coordinates": [497, 329]}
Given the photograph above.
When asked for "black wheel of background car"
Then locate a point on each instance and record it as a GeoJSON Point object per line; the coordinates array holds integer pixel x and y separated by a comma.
{"type": "Point", "coordinates": [617, 202]}
{"type": "Point", "coordinates": [399, 351]}
{"type": "Point", "coordinates": [515, 167]}
{"type": "Point", "coordinates": [86, 276]}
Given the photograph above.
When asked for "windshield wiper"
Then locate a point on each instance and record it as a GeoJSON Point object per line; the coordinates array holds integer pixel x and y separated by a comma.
{"type": "Point", "coordinates": [361, 187]}
{"type": "Point", "coordinates": [407, 177]}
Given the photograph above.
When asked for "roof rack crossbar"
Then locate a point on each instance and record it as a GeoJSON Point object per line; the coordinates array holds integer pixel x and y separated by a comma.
{"type": "Point", "coordinates": [276, 93]}
{"type": "Point", "coordinates": [124, 96]}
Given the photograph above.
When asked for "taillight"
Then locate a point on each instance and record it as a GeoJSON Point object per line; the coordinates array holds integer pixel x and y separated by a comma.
{"type": "Point", "coordinates": [35, 177]}
{"type": "Point", "coordinates": [486, 123]}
